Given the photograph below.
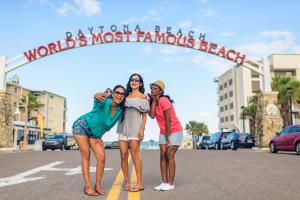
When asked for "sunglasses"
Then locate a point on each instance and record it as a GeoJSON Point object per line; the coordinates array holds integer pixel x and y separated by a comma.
{"type": "Point", "coordinates": [135, 80]}
{"type": "Point", "coordinates": [154, 88]}
{"type": "Point", "coordinates": [119, 93]}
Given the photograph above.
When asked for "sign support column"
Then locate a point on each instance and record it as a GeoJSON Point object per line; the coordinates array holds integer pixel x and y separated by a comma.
{"type": "Point", "coordinates": [2, 74]}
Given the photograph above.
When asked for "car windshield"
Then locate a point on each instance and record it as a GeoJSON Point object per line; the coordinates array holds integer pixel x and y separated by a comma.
{"type": "Point", "coordinates": [205, 138]}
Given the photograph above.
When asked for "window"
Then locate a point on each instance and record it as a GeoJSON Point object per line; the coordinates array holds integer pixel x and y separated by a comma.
{"type": "Point", "coordinates": [51, 97]}
{"type": "Point", "coordinates": [226, 107]}
{"type": "Point", "coordinates": [221, 98]}
{"type": "Point", "coordinates": [31, 137]}
{"type": "Point", "coordinates": [230, 82]}
{"type": "Point", "coordinates": [20, 136]}
{"type": "Point", "coordinates": [16, 90]}
{"type": "Point", "coordinates": [221, 87]}
{"type": "Point", "coordinates": [231, 106]}
{"type": "Point", "coordinates": [225, 96]}
{"type": "Point", "coordinates": [222, 119]}
{"type": "Point", "coordinates": [231, 93]}
{"type": "Point", "coordinates": [221, 109]}
{"type": "Point", "coordinates": [225, 85]}
{"type": "Point", "coordinates": [15, 104]}
{"type": "Point", "coordinates": [226, 119]}
{"type": "Point", "coordinates": [231, 118]}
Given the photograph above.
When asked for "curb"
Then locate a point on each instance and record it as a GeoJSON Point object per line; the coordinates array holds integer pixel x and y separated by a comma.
{"type": "Point", "coordinates": [257, 149]}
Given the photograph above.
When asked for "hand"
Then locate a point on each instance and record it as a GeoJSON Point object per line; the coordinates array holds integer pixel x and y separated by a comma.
{"type": "Point", "coordinates": [167, 139]}
{"type": "Point", "coordinates": [141, 135]}
{"type": "Point", "coordinates": [101, 96]}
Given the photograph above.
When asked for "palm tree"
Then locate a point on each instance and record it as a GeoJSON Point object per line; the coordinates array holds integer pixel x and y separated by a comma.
{"type": "Point", "coordinates": [281, 84]}
{"type": "Point", "coordinates": [28, 104]}
{"type": "Point", "coordinates": [250, 112]}
{"type": "Point", "coordinates": [196, 129]}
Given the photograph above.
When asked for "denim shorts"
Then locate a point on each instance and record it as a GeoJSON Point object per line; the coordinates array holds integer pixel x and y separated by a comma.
{"type": "Point", "coordinates": [80, 128]}
{"type": "Point", "coordinates": [174, 139]}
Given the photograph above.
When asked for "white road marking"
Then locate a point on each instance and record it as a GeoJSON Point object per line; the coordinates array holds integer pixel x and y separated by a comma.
{"type": "Point", "coordinates": [23, 177]}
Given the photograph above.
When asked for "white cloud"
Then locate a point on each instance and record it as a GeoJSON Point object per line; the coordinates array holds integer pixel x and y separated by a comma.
{"type": "Point", "coordinates": [147, 49]}
{"type": "Point", "coordinates": [203, 1]}
{"type": "Point", "coordinates": [207, 12]}
{"type": "Point", "coordinates": [270, 42]}
{"type": "Point", "coordinates": [168, 50]}
{"type": "Point", "coordinates": [185, 24]}
{"type": "Point", "coordinates": [152, 15]}
{"type": "Point", "coordinates": [204, 114]}
{"type": "Point", "coordinates": [80, 7]}
{"type": "Point", "coordinates": [227, 34]}
{"type": "Point", "coordinates": [214, 65]}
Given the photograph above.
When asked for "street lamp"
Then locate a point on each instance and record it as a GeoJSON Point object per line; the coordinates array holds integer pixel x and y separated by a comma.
{"type": "Point", "coordinates": [243, 114]}
{"type": "Point", "coordinates": [290, 94]}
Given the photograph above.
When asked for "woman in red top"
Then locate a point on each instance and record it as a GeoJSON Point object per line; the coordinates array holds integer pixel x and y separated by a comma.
{"type": "Point", "coordinates": [170, 137]}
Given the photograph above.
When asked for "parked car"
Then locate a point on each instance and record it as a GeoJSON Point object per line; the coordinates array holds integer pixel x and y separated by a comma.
{"type": "Point", "coordinates": [237, 140]}
{"type": "Point", "coordinates": [69, 142]}
{"type": "Point", "coordinates": [112, 145]}
{"type": "Point", "coordinates": [230, 141]}
{"type": "Point", "coordinates": [201, 144]}
{"type": "Point", "coordinates": [246, 140]}
{"type": "Point", "coordinates": [287, 140]}
{"type": "Point", "coordinates": [54, 142]}
{"type": "Point", "coordinates": [215, 140]}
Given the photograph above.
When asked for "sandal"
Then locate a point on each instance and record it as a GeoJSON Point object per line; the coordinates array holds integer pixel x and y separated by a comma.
{"type": "Point", "coordinates": [127, 187]}
{"type": "Point", "coordinates": [136, 189]}
{"type": "Point", "coordinates": [99, 190]}
{"type": "Point", "coordinates": [93, 193]}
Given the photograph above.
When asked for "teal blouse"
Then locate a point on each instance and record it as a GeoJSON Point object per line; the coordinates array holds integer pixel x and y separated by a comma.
{"type": "Point", "coordinates": [99, 119]}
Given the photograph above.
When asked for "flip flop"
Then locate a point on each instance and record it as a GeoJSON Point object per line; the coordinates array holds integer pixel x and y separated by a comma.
{"type": "Point", "coordinates": [99, 191]}
{"type": "Point", "coordinates": [135, 189]}
{"type": "Point", "coordinates": [126, 188]}
{"type": "Point", "coordinates": [93, 194]}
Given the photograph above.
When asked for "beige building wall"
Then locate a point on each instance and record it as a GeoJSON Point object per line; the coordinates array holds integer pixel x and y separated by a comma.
{"type": "Point", "coordinates": [53, 110]}
{"type": "Point", "coordinates": [247, 82]}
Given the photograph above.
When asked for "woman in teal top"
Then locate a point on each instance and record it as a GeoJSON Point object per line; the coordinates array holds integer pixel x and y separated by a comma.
{"type": "Point", "coordinates": [89, 129]}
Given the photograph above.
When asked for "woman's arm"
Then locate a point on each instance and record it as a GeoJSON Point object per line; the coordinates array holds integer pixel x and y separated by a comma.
{"type": "Point", "coordinates": [151, 113]}
{"type": "Point", "coordinates": [142, 129]}
{"type": "Point", "coordinates": [168, 123]}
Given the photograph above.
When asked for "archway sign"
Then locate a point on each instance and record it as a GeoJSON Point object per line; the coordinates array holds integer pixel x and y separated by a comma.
{"type": "Point", "coordinates": [137, 35]}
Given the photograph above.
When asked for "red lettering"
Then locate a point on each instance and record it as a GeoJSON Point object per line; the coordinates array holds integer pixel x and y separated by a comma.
{"type": "Point", "coordinates": [52, 47]}
{"type": "Point", "coordinates": [148, 37]}
{"type": "Point", "coordinates": [160, 37]}
{"type": "Point", "coordinates": [228, 54]}
{"type": "Point", "coordinates": [203, 45]}
{"type": "Point", "coordinates": [222, 52]}
{"type": "Point", "coordinates": [73, 43]}
{"type": "Point", "coordinates": [30, 55]}
{"type": "Point", "coordinates": [108, 34]}
{"type": "Point", "coordinates": [238, 56]}
{"type": "Point", "coordinates": [173, 38]}
{"type": "Point", "coordinates": [183, 42]}
{"type": "Point", "coordinates": [96, 38]}
{"type": "Point", "coordinates": [139, 34]}
{"type": "Point", "coordinates": [119, 36]}
{"type": "Point", "coordinates": [212, 46]}
{"type": "Point", "coordinates": [190, 42]}
{"type": "Point", "coordinates": [42, 51]}
{"type": "Point", "coordinates": [82, 41]}
{"type": "Point", "coordinates": [128, 33]}
{"type": "Point", "coordinates": [59, 46]}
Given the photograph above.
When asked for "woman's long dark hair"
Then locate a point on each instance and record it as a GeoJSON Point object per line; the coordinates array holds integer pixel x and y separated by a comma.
{"type": "Point", "coordinates": [163, 95]}
{"type": "Point", "coordinates": [128, 87]}
{"type": "Point", "coordinates": [122, 104]}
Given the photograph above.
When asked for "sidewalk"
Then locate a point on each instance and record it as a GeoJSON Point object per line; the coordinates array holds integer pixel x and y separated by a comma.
{"type": "Point", "coordinates": [257, 149]}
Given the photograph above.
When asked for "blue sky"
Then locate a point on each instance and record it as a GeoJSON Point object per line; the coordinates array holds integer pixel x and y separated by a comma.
{"type": "Point", "coordinates": [257, 28]}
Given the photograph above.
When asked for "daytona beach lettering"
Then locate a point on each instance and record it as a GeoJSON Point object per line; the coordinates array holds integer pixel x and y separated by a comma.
{"type": "Point", "coordinates": [135, 36]}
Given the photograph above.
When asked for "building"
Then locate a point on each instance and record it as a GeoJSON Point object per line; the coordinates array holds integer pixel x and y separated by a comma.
{"type": "Point", "coordinates": [53, 110]}
{"type": "Point", "coordinates": [237, 85]}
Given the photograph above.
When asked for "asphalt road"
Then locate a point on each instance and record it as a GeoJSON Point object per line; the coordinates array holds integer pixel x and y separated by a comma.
{"type": "Point", "coordinates": [243, 174]}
